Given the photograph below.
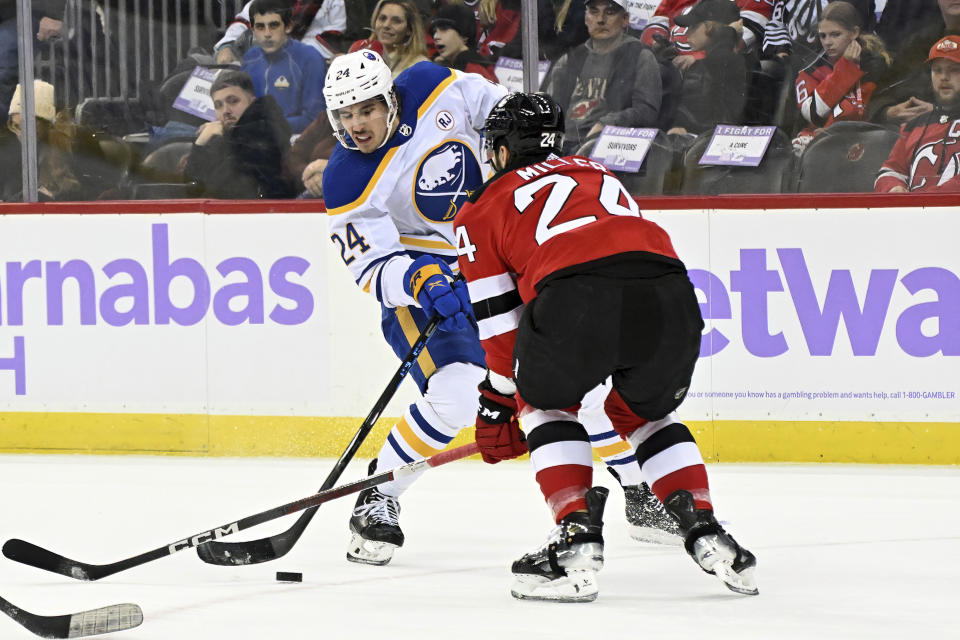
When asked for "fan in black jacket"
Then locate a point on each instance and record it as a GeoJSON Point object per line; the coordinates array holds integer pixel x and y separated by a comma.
{"type": "Point", "coordinates": [714, 87]}
{"type": "Point", "coordinates": [243, 154]}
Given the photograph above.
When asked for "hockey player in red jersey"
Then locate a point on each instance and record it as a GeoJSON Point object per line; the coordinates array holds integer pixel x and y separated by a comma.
{"type": "Point", "coordinates": [926, 157]}
{"type": "Point", "coordinates": [570, 286]}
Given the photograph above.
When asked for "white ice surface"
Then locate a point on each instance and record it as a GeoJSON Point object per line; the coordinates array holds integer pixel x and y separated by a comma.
{"type": "Point", "coordinates": [844, 552]}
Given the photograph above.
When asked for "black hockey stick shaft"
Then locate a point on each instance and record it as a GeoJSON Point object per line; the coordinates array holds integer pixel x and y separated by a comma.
{"type": "Point", "coordinates": [30, 554]}
{"type": "Point", "coordinates": [275, 546]}
{"type": "Point", "coordinates": [116, 617]}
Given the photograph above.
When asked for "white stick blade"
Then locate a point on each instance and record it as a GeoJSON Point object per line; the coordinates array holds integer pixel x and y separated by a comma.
{"type": "Point", "coordinates": [116, 617]}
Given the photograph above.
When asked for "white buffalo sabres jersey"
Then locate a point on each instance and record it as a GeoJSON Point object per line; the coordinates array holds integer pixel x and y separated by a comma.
{"type": "Point", "coordinates": [388, 207]}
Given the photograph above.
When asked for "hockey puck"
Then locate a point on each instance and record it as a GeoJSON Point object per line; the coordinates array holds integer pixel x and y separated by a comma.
{"type": "Point", "coordinates": [284, 576]}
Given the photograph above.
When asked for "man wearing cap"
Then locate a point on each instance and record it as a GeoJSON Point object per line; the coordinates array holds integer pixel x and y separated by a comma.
{"type": "Point", "coordinates": [906, 93]}
{"type": "Point", "coordinates": [715, 86]}
{"type": "Point", "coordinates": [662, 30]}
{"type": "Point", "coordinates": [611, 79]}
{"type": "Point", "coordinates": [926, 157]}
{"type": "Point", "coordinates": [55, 175]}
{"type": "Point", "coordinates": [454, 31]}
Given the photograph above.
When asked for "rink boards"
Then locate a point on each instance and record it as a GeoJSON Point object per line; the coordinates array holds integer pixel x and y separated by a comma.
{"type": "Point", "coordinates": [203, 328]}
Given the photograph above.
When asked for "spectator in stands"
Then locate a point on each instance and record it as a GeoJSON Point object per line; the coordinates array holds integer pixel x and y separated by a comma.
{"type": "Point", "coordinates": [714, 86]}
{"type": "Point", "coordinates": [839, 83]}
{"type": "Point", "coordinates": [310, 153]}
{"type": "Point", "coordinates": [663, 33]}
{"type": "Point", "coordinates": [47, 24]}
{"type": "Point", "coordinates": [906, 92]}
{"type": "Point", "coordinates": [55, 178]}
{"type": "Point", "coordinates": [560, 28]}
{"type": "Point", "coordinates": [398, 28]}
{"type": "Point", "coordinates": [792, 30]}
{"type": "Point", "coordinates": [317, 23]}
{"type": "Point", "coordinates": [243, 153]}
{"type": "Point", "coordinates": [903, 18]}
{"type": "Point", "coordinates": [926, 157]}
{"type": "Point", "coordinates": [611, 79]}
{"type": "Point", "coordinates": [454, 30]}
{"type": "Point", "coordinates": [498, 22]}
{"type": "Point", "coordinates": [290, 71]}
{"type": "Point", "coordinates": [398, 35]}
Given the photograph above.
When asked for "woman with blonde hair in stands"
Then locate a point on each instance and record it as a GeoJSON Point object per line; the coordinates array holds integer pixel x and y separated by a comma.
{"type": "Point", "coordinates": [398, 35]}
{"type": "Point", "coordinates": [55, 134]}
{"type": "Point", "coordinates": [839, 83]}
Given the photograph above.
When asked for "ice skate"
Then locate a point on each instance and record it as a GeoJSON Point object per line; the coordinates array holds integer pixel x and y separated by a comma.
{"type": "Point", "coordinates": [647, 520]}
{"type": "Point", "coordinates": [565, 568]}
{"type": "Point", "coordinates": [374, 526]}
{"type": "Point", "coordinates": [712, 548]}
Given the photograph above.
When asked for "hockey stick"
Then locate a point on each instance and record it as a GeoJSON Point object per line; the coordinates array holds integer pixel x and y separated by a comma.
{"type": "Point", "coordinates": [30, 554]}
{"type": "Point", "coordinates": [116, 617]}
{"type": "Point", "coordinates": [275, 546]}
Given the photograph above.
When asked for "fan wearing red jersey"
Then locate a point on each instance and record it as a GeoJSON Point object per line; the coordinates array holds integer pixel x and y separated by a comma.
{"type": "Point", "coordinates": [926, 157]}
{"type": "Point", "coordinates": [839, 83]}
{"type": "Point", "coordinates": [571, 285]}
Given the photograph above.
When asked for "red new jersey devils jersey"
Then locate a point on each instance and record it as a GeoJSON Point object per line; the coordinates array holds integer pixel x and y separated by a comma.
{"type": "Point", "coordinates": [827, 93]}
{"type": "Point", "coordinates": [532, 222]}
{"type": "Point", "coordinates": [926, 157]}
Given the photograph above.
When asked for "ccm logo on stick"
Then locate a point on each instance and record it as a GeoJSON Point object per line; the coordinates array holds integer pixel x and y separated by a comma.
{"type": "Point", "coordinates": [206, 536]}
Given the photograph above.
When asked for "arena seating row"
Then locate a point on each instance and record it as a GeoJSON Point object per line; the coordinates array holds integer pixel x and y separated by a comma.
{"type": "Point", "coordinates": [843, 159]}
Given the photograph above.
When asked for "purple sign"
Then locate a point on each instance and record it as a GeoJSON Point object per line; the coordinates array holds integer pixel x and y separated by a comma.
{"type": "Point", "coordinates": [509, 72]}
{"type": "Point", "coordinates": [194, 98]}
{"type": "Point", "coordinates": [623, 148]}
{"type": "Point", "coordinates": [640, 12]}
{"type": "Point", "coordinates": [737, 146]}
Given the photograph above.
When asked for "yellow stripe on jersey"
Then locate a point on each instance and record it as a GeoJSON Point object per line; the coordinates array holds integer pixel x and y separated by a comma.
{"type": "Point", "coordinates": [426, 244]}
{"type": "Point", "coordinates": [370, 185]}
{"type": "Point", "coordinates": [415, 442]}
{"type": "Point", "coordinates": [410, 330]}
{"type": "Point", "coordinates": [612, 449]}
{"type": "Point", "coordinates": [435, 94]}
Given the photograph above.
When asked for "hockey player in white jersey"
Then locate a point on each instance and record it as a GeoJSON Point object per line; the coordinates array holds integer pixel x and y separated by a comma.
{"type": "Point", "coordinates": [408, 160]}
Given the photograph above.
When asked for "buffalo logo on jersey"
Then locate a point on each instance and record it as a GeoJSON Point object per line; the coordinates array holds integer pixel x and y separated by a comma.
{"type": "Point", "coordinates": [444, 179]}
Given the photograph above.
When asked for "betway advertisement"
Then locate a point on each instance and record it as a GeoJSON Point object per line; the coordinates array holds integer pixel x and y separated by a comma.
{"type": "Point", "coordinates": [824, 315]}
{"type": "Point", "coordinates": [811, 315]}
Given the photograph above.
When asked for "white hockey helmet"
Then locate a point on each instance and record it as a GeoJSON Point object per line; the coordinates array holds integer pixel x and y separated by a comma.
{"type": "Point", "coordinates": [353, 78]}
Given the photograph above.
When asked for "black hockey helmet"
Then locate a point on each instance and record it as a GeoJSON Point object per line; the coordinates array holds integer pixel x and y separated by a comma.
{"type": "Point", "coordinates": [529, 125]}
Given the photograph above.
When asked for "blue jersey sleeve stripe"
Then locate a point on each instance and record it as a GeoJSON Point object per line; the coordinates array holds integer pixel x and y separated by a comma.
{"type": "Point", "coordinates": [426, 427]}
{"type": "Point", "coordinates": [379, 289]}
{"type": "Point", "coordinates": [398, 449]}
{"type": "Point", "coordinates": [603, 436]}
{"type": "Point", "coordinates": [379, 260]}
